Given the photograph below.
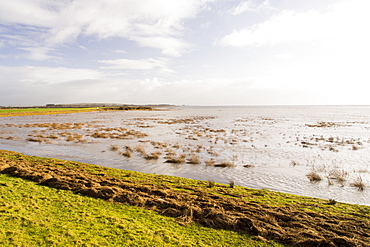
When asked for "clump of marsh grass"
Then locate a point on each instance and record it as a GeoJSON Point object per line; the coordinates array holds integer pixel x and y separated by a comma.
{"type": "Point", "coordinates": [211, 184]}
{"type": "Point", "coordinates": [113, 148]}
{"type": "Point", "coordinates": [293, 163]}
{"type": "Point", "coordinates": [225, 164]}
{"type": "Point", "coordinates": [140, 149]}
{"type": "Point", "coordinates": [152, 156]}
{"type": "Point", "coordinates": [193, 159]}
{"type": "Point", "coordinates": [354, 147]}
{"type": "Point", "coordinates": [212, 152]}
{"type": "Point", "coordinates": [176, 146]}
{"type": "Point", "coordinates": [231, 183]}
{"type": "Point", "coordinates": [70, 138]}
{"type": "Point", "coordinates": [332, 202]}
{"type": "Point", "coordinates": [34, 139]}
{"type": "Point", "coordinates": [338, 175]}
{"type": "Point", "coordinates": [313, 176]}
{"type": "Point", "coordinates": [127, 153]}
{"type": "Point", "coordinates": [210, 162]}
{"type": "Point", "coordinates": [53, 137]}
{"type": "Point", "coordinates": [177, 159]}
{"type": "Point", "coordinates": [358, 183]}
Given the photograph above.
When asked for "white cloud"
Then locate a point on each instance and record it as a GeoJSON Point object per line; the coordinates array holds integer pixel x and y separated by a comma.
{"type": "Point", "coordinates": [156, 24]}
{"type": "Point", "coordinates": [39, 13]}
{"type": "Point", "coordinates": [34, 74]}
{"type": "Point", "coordinates": [250, 6]}
{"type": "Point", "coordinates": [39, 53]}
{"type": "Point", "coordinates": [30, 85]}
{"type": "Point", "coordinates": [142, 64]}
{"type": "Point", "coordinates": [323, 53]}
{"type": "Point", "coordinates": [284, 56]}
{"type": "Point", "coordinates": [345, 20]}
{"type": "Point", "coordinates": [286, 27]}
{"type": "Point", "coordinates": [169, 45]}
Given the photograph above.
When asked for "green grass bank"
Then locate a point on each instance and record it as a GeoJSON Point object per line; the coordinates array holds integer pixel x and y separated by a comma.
{"type": "Point", "coordinates": [46, 202]}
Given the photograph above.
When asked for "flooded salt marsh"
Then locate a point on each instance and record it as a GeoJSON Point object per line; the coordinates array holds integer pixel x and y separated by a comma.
{"type": "Point", "coordinates": [318, 151]}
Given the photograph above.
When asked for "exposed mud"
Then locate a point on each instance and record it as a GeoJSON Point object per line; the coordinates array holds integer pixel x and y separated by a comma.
{"type": "Point", "coordinates": [282, 224]}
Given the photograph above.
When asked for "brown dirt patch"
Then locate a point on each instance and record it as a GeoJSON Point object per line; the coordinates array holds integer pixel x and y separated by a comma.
{"type": "Point", "coordinates": [282, 224]}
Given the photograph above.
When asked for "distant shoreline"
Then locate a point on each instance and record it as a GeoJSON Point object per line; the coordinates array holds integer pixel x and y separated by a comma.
{"type": "Point", "coordinates": [24, 111]}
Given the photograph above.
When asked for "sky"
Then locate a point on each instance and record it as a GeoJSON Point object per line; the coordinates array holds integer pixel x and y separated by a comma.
{"type": "Point", "coordinates": [185, 52]}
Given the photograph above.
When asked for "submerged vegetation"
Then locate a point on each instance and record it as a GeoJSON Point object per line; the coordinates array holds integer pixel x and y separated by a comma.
{"type": "Point", "coordinates": [266, 215]}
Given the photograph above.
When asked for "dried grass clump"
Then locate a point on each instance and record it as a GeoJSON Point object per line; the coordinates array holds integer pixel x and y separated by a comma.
{"type": "Point", "coordinates": [211, 184]}
{"type": "Point", "coordinates": [176, 146]}
{"type": "Point", "coordinates": [99, 135]}
{"type": "Point", "coordinates": [152, 156]}
{"type": "Point", "coordinates": [53, 137]}
{"type": "Point", "coordinates": [339, 175]}
{"type": "Point", "coordinates": [212, 152]}
{"type": "Point", "coordinates": [231, 183]}
{"type": "Point", "coordinates": [359, 183]}
{"type": "Point", "coordinates": [313, 176]}
{"type": "Point", "coordinates": [127, 153]}
{"type": "Point", "coordinates": [332, 202]}
{"type": "Point", "coordinates": [225, 164]}
{"type": "Point", "coordinates": [170, 152]}
{"type": "Point", "coordinates": [193, 159]}
{"type": "Point", "coordinates": [354, 147]}
{"type": "Point", "coordinates": [70, 138]}
{"type": "Point", "coordinates": [210, 162]}
{"type": "Point", "coordinates": [113, 148]}
{"type": "Point", "coordinates": [293, 163]}
{"type": "Point", "coordinates": [140, 149]}
{"type": "Point", "coordinates": [34, 139]}
{"type": "Point", "coordinates": [177, 159]}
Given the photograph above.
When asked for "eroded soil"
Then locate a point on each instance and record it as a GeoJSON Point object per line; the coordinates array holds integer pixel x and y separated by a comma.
{"type": "Point", "coordinates": [286, 224]}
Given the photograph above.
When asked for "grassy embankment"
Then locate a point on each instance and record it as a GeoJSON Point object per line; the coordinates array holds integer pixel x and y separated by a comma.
{"type": "Point", "coordinates": [47, 111]}
{"type": "Point", "coordinates": [41, 111]}
{"type": "Point", "coordinates": [33, 214]}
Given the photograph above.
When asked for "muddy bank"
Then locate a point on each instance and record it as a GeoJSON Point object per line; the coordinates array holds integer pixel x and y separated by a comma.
{"type": "Point", "coordinates": [190, 204]}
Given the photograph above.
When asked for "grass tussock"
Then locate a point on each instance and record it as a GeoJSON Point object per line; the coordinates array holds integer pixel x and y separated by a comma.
{"type": "Point", "coordinates": [313, 176]}
{"type": "Point", "coordinates": [113, 147]}
{"type": "Point", "coordinates": [231, 183]}
{"type": "Point", "coordinates": [127, 153]}
{"type": "Point", "coordinates": [193, 159]}
{"type": "Point", "coordinates": [211, 184]}
{"type": "Point", "coordinates": [339, 175]}
{"type": "Point", "coordinates": [34, 139]}
{"type": "Point", "coordinates": [141, 150]}
{"type": "Point", "coordinates": [176, 159]}
{"type": "Point", "coordinates": [358, 183]}
{"type": "Point", "coordinates": [225, 164]}
{"type": "Point", "coordinates": [210, 162]}
{"type": "Point", "coordinates": [152, 156]}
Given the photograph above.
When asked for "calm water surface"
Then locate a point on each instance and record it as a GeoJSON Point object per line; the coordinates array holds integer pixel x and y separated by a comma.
{"type": "Point", "coordinates": [272, 147]}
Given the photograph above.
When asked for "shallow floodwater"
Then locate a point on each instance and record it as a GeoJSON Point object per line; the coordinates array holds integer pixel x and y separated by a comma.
{"type": "Point", "coordinates": [264, 147]}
